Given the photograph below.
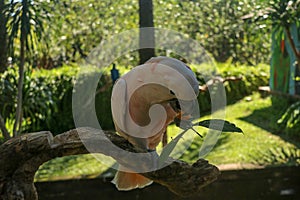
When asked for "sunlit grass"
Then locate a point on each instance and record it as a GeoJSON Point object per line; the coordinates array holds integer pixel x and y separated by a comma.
{"type": "Point", "coordinates": [71, 167]}
{"type": "Point", "coordinates": [262, 143]}
{"type": "Point", "coordinates": [250, 147]}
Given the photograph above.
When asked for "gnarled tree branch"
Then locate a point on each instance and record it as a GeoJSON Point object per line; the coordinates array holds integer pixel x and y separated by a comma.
{"type": "Point", "coordinates": [22, 156]}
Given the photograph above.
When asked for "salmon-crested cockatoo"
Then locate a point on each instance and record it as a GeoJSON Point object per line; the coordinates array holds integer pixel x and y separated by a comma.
{"type": "Point", "coordinates": [145, 101]}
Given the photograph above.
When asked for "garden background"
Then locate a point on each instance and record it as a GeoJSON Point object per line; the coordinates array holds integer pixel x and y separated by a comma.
{"type": "Point", "coordinates": [52, 39]}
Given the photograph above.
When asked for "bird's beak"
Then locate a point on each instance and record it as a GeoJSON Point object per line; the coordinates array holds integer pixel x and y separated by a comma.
{"type": "Point", "coordinates": [185, 111]}
{"type": "Point", "coordinates": [183, 121]}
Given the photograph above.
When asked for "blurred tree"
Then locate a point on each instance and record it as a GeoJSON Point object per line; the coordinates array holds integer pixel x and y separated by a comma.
{"type": "Point", "coordinates": [219, 26]}
{"type": "Point", "coordinates": [77, 27]}
{"type": "Point", "coordinates": [147, 38]}
{"type": "Point", "coordinates": [25, 25]}
{"type": "Point", "coordinates": [283, 14]}
{"type": "Point", "coordinates": [284, 17]}
{"type": "Point", "coordinates": [216, 24]}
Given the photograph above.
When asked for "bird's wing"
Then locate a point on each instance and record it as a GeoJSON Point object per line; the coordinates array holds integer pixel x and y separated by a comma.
{"type": "Point", "coordinates": [119, 104]}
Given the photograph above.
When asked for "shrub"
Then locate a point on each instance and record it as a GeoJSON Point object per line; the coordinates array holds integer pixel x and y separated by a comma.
{"type": "Point", "coordinates": [48, 95]}
{"type": "Point", "coordinates": [61, 84]}
{"type": "Point", "coordinates": [290, 120]}
{"type": "Point", "coordinates": [47, 102]}
{"type": "Point", "coordinates": [37, 98]}
{"type": "Point", "coordinates": [251, 78]}
{"type": "Point", "coordinates": [220, 26]}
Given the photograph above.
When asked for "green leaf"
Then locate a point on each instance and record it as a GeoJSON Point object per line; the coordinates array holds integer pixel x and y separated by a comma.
{"type": "Point", "coordinates": [219, 124]}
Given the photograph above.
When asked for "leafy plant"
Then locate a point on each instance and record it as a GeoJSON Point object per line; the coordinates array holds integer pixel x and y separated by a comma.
{"type": "Point", "coordinates": [79, 26]}
{"type": "Point", "coordinates": [282, 14]}
{"type": "Point", "coordinates": [290, 120]}
{"type": "Point", "coordinates": [48, 95]}
{"type": "Point", "coordinates": [24, 22]}
{"type": "Point", "coordinates": [279, 156]}
{"type": "Point", "coordinates": [220, 26]}
{"type": "Point", "coordinates": [37, 98]}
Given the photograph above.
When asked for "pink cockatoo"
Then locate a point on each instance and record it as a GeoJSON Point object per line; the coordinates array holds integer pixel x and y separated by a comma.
{"type": "Point", "coordinates": [162, 81]}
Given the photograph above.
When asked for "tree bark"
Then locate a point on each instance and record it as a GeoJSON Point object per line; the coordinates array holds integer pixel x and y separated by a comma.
{"type": "Point", "coordinates": [21, 157]}
{"type": "Point", "coordinates": [293, 46]}
{"type": "Point", "coordinates": [18, 118]}
{"type": "Point", "coordinates": [297, 55]}
{"type": "Point", "coordinates": [147, 38]}
{"type": "Point", "coordinates": [3, 38]}
{"type": "Point", "coordinates": [24, 33]}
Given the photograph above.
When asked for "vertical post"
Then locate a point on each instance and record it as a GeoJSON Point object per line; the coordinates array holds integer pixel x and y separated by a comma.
{"type": "Point", "coordinates": [3, 37]}
{"type": "Point", "coordinates": [147, 38]}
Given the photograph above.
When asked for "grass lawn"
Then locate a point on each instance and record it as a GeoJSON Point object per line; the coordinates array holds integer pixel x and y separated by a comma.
{"type": "Point", "coordinates": [261, 144]}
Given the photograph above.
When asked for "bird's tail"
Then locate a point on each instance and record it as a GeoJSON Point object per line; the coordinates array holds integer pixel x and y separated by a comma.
{"type": "Point", "coordinates": [129, 180]}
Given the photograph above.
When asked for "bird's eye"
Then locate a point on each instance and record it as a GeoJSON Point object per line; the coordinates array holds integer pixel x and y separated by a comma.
{"type": "Point", "coordinates": [175, 105]}
{"type": "Point", "coordinates": [171, 92]}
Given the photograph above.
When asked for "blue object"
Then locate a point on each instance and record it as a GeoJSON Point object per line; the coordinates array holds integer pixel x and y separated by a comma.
{"type": "Point", "coordinates": [114, 73]}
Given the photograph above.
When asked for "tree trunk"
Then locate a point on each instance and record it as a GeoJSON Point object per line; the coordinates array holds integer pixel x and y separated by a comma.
{"type": "Point", "coordinates": [3, 38]}
{"type": "Point", "coordinates": [18, 118]}
{"type": "Point", "coordinates": [147, 38]}
{"type": "Point", "coordinates": [297, 55]}
{"type": "Point", "coordinates": [21, 157]}
{"type": "Point", "coordinates": [293, 45]}
{"type": "Point", "coordinates": [24, 32]}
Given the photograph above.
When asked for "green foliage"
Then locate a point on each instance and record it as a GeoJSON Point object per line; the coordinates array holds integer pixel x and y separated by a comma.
{"type": "Point", "coordinates": [220, 26]}
{"type": "Point", "coordinates": [24, 28]}
{"type": "Point", "coordinates": [251, 78]}
{"type": "Point", "coordinates": [37, 98]}
{"type": "Point", "coordinates": [48, 95]}
{"type": "Point", "coordinates": [60, 83]}
{"type": "Point", "coordinates": [279, 156]}
{"type": "Point", "coordinates": [218, 124]}
{"type": "Point", "coordinates": [47, 102]}
{"type": "Point", "coordinates": [79, 26]}
{"type": "Point", "coordinates": [284, 13]}
{"type": "Point", "coordinates": [290, 120]}
{"type": "Point", "coordinates": [26, 17]}
{"type": "Point", "coordinates": [280, 15]}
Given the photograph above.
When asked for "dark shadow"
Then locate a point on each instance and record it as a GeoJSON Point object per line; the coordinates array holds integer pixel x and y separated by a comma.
{"type": "Point", "coordinates": [267, 118]}
{"type": "Point", "coordinates": [267, 184]}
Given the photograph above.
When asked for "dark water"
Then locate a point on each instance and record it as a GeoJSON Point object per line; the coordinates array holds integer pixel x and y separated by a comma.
{"type": "Point", "coordinates": [265, 184]}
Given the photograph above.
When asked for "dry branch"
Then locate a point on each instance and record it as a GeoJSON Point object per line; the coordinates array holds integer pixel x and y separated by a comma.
{"type": "Point", "coordinates": [22, 156]}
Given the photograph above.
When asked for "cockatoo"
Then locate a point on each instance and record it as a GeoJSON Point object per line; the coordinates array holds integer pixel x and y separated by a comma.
{"type": "Point", "coordinates": [145, 101]}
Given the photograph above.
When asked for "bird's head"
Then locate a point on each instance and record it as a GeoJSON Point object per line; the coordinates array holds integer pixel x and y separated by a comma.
{"type": "Point", "coordinates": [186, 106]}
